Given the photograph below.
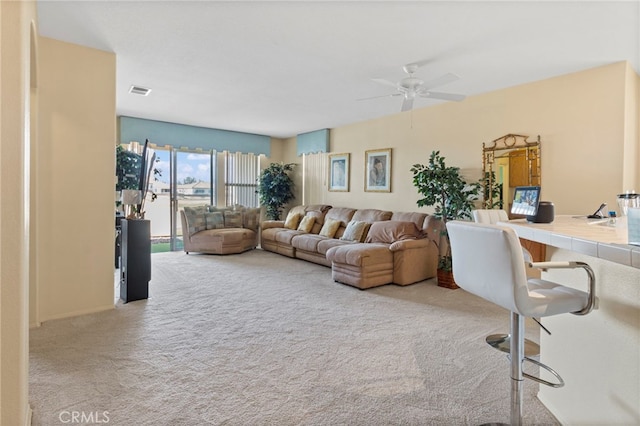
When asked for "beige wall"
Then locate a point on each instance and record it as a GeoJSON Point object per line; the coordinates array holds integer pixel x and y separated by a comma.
{"type": "Point", "coordinates": [587, 122]}
{"type": "Point", "coordinates": [631, 178]}
{"type": "Point", "coordinates": [75, 180]}
{"type": "Point", "coordinates": [16, 19]}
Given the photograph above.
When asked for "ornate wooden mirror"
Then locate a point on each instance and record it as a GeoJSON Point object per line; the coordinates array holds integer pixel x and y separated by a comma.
{"type": "Point", "coordinates": [509, 161]}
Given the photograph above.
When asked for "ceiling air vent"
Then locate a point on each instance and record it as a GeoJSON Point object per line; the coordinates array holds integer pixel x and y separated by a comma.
{"type": "Point", "coordinates": [138, 90]}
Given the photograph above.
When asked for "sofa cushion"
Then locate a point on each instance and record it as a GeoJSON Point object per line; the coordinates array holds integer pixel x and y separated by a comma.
{"type": "Point", "coordinates": [214, 220]}
{"type": "Point", "coordinates": [251, 218]}
{"type": "Point", "coordinates": [325, 244]}
{"type": "Point", "coordinates": [415, 217]}
{"type": "Point", "coordinates": [389, 231]}
{"type": "Point", "coordinates": [301, 210]}
{"type": "Point", "coordinates": [330, 227]}
{"type": "Point", "coordinates": [372, 215]}
{"type": "Point", "coordinates": [269, 234]}
{"type": "Point", "coordinates": [307, 242]}
{"type": "Point", "coordinates": [318, 211]}
{"type": "Point", "coordinates": [196, 209]}
{"type": "Point", "coordinates": [212, 208]}
{"type": "Point", "coordinates": [343, 214]}
{"type": "Point", "coordinates": [225, 236]}
{"type": "Point", "coordinates": [285, 236]}
{"type": "Point", "coordinates": [318, 221]}
{"type": "Point", "coordinates": [232, 219]}
{"type": "Point", "coordinates": [355, 231]}
{"type": "Point", "coordinates": [195, 219]}
{"type": "Point", "coordinates": [361, 254]}
{"type": "Point", "coordinates": [306, 224]}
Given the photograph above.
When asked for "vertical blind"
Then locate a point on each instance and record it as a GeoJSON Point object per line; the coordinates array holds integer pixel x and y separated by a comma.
{"type": "Point", "coordinates": [241, 174]}
{"type": "Point", "coordinates": [314, 177]}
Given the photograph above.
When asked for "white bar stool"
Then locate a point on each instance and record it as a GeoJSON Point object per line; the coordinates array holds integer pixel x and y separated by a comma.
{"type": "Point", "coordinates": [488, 261]}
{"type": "Point", "coordinates": [502, 341]}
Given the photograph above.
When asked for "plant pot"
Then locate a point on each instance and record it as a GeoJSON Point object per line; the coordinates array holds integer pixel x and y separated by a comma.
{"type": "Point", "coordinates": [445, 279]}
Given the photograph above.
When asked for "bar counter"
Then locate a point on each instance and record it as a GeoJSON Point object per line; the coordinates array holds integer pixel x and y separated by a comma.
{"type": "Point", "coordinates": [593, 237]}
{"type": "Point", "coordinates": [598, 355]}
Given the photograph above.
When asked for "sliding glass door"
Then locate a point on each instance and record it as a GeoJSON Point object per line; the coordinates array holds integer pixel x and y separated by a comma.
{"type": "Point", "coordinates": [186, 179]}
{"type": "Point", "coordinates": [193, 184]}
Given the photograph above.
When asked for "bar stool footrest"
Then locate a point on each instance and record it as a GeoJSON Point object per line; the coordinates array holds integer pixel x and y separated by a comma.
{"type": "Point", "coordinates": [560, 382]}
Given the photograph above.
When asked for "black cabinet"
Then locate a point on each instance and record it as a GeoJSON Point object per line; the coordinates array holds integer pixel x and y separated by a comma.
{"type": "Point", "coordinates": [135, 263]}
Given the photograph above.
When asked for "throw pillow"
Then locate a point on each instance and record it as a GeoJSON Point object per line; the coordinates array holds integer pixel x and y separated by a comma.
{"type": "Point", "coordinates": [390, 231]}
{"type": "Point", "coordinates": [330, 228]}
{"type": "Point", "coordinates": [354, 231]}
{"type": "Point", "coordinates": [215, 220]}
{"type": "Point", "coordinates": [197, 209]}
{"type": "Point", "coordinates": [196, 221]}
{"type": "Point", "coordinates": [232, 219]}
{"type": "Point", "coordinates": [367, 226]}
{"type": "Point", "coordinates": [306, 224]}
{"type": "Point", "coordinates": [291, 222]}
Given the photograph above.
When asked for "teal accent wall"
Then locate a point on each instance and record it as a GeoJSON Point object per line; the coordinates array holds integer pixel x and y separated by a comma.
{"type": "Point", "coordinates": [316, 141]}
{"type": "Point", "coordinates": [181, 135]}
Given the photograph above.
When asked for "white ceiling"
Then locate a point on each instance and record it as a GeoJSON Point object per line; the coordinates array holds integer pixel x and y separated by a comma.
{"type": "Point", "coordinates": [289, 67]}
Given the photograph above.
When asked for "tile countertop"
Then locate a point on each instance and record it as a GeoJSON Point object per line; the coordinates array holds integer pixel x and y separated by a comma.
{"type": "Point", "coordinates": [592, 237]}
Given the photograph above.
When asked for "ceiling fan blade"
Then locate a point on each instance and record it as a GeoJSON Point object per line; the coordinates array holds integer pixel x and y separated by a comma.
{"type": "Point", "coordinates": [381, 96]}
{"type": "Point", "coordinates": [417, 64]}
{"type": "Point", "coordinates": [385, 82]}
{"type": "Point", "coordinates": [440, 81]}
{"type": "Point", "coordinates": [407, 104]}
{"type": "Point", "coordinates": [443, 96]}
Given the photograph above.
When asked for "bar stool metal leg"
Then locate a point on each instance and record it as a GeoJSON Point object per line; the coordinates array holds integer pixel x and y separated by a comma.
{"type": "Point", "coordinates": [517, 357]}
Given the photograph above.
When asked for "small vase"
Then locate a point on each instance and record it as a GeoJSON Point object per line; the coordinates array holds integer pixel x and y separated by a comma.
{"type": "Point", "coordinates": [445, 279]}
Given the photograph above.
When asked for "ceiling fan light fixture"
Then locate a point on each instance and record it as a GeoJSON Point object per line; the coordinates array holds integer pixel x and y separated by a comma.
{"type": "Point", "coordinates": [139, 90]}
{"type": "Point", "coordinates": [411, 87]}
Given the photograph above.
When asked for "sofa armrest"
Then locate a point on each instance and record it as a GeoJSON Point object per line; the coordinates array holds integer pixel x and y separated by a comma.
{"type": "Point", "coordinates": [185, 225]}
{"type": "Point", "coordinates": [414, 260]}
{"type": "Point", "coordinates": [272, 224]}
{"type": "Point", "coordinates": [410, 244]}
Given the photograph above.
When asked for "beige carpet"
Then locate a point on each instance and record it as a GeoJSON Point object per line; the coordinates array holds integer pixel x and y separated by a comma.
{"type": "Point", "coordinates": [261, 339]}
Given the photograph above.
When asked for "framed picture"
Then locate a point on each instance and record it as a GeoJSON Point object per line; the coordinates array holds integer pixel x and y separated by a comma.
{"type": "Point", "coordinates": [377, 164]}
{"type": "Point", "coordinates": [339, 172]}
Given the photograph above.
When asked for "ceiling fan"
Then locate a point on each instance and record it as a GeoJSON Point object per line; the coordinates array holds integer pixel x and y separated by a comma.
{"type": "Point", "coordinates": [411, 86]}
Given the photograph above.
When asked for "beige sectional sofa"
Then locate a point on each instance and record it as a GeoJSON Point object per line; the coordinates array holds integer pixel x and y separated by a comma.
{"type": "Point", "coordinates": [394, 247]}
{"type": "Point", "coordinates": [213, 230]}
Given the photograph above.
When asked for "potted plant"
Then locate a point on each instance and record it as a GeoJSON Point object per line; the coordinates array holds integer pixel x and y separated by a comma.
{"type": "Point", "coordinates": [443, 187]}
{"type": "Point", "coordinates": [134, 173]}
{"type": "Point", "coordinates": [492, 191]}
{"type": "Point", "coordinates": [275, 188]}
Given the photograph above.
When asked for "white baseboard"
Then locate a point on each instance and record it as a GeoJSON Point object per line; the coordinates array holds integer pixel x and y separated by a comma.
{"type": "Point", "coordinates": [78, 313]}
{"type": "Point", "coordinates": [27, 421]}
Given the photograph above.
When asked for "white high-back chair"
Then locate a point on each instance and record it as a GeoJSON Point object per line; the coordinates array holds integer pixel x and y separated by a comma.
{"type": "Point", "coordinates": [488, 262]}
{"type": "Point", "coordinates": [490, 216]}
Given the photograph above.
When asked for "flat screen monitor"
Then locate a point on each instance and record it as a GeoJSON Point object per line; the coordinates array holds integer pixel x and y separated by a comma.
{"type": "Point", "coordinates": [525, 200]}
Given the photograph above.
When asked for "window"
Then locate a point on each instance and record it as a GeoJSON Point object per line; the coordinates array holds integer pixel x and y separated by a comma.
{"type": "Point", "coordinates": [241, 174]}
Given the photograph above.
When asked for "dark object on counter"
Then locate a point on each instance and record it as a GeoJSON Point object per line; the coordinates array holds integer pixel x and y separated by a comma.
{"type": "Point", "coordinates": [546, 213]}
